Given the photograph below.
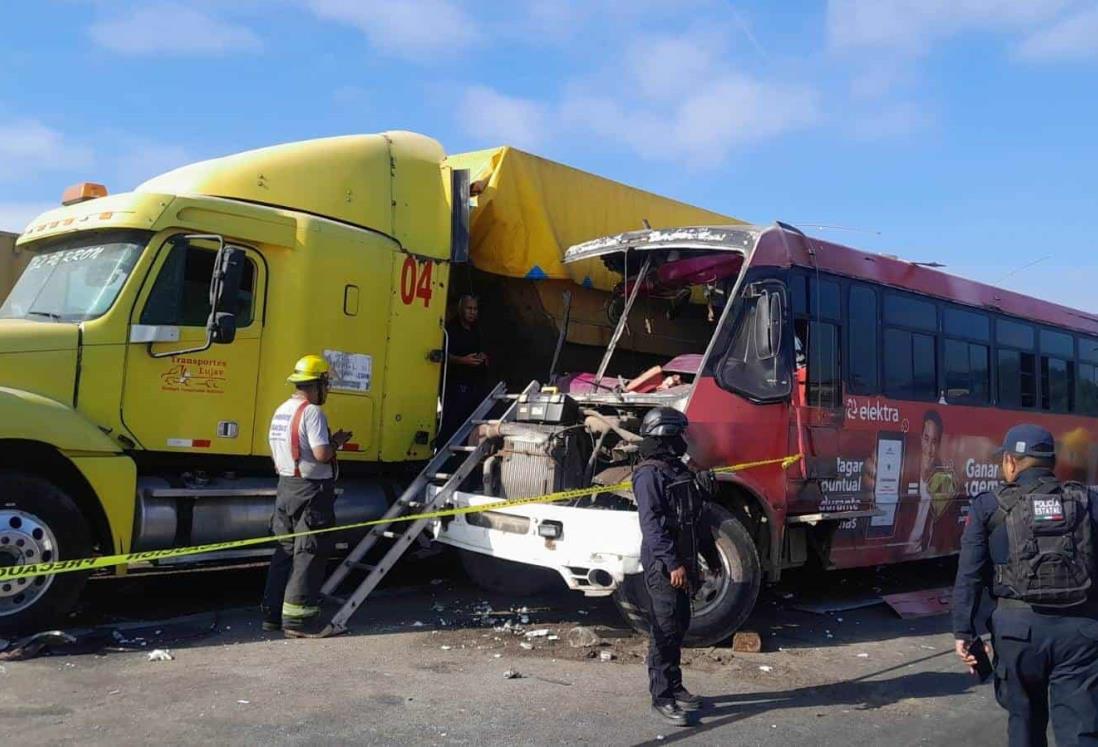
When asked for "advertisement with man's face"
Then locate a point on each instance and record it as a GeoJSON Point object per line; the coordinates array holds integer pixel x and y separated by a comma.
{"type": "Point", "coordinates": [916, 466]}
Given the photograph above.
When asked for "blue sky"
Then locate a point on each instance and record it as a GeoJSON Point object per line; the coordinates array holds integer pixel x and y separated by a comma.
{"type": "Point", "coordinates": [957, 131]}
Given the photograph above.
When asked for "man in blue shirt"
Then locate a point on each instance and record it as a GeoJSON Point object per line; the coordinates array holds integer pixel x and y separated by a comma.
{"type": "Point", "coordinates": [1031, 544]}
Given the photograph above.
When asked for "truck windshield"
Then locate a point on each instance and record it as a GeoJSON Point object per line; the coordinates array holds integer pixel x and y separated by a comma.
{"type": "Point", "coordinates": [76, 278]}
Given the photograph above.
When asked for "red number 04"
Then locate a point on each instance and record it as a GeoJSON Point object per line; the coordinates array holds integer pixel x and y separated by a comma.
{"type": "Point", "coordinates": [413, 287]}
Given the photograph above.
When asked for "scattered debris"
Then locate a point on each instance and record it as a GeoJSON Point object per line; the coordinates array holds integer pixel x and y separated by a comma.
{"type": "Point", "coordinates": [115, 692]}
{"type": "Point", "coordinates": [160, 654]}
{"type": "Point", "coordinates": [583, 637]}
{"type": "Point", "coordinates": [747, 642]}
{"type": "Point", "coordinates": [552, 638]}
{"type": "Point", "coordinates": [925, 603]}
{"type": "Point", "coordinates": [842, 604]}
{"type": "Point", "coordinates": [524, 619]}
{"type": "Point", "coordinates": [606, 656]}
{"type": "Point", "coordinates": [863, 656]}
{"type": "Point", "coordinates": [244, 702]}
{"type": "Point", "coordinates": [765, 668]}
{"type": "Point", "coordinates": [417, 624]}
{"type": "Point", "coordinates": [497, 656]}
{"type": "Point", "coordinates": [512, 674]}
{"type": "Point", "coordinates": [526, 646]}
{"type": "Point", "coordinates": [539, 633]}
{"type": "Point", "coordinates": [446, 648]}
{"type": "Point", "coordinates": [31, 646]}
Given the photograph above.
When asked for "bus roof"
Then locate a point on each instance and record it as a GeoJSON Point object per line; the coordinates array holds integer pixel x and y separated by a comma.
{"type": "Point", "coordinates": [806, 251]}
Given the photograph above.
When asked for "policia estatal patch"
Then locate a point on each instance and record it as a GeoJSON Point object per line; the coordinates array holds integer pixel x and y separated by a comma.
{"type": "Point", "coordinates": [1047, 508]}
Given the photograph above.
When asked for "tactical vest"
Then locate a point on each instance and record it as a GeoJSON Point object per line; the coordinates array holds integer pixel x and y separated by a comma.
{"type": "Point", "coordinates": [686, 500]}
{"type": "Point", "coordinates": [1051, 561]}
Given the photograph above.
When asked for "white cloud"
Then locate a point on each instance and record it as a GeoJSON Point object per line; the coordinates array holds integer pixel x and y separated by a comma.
{"type": "Point", "coordinates": [911, 26]}
{"type": "Point", "coordinates": [170, 28]}
{"type": "Point", "coordinates": [503, 119]}
{"type": "Point", "coordinates": [28, 146]}
{"type": "Point", "coordinates": [1071, 38]}
{"type": "Point", "coordinates": [680, 97]}
{"type": "Point", "coordinates": [408, 28]}
{"type": "Point", "coordinates": [14, 216]}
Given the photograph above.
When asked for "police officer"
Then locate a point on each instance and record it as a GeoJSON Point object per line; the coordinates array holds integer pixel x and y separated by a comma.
{"type": "Point", "coordinates": [303, 450]}
{"type": "Point", "coordinates": [1031, 544]}
{"type": "Point", "coordinates": [674, 531]}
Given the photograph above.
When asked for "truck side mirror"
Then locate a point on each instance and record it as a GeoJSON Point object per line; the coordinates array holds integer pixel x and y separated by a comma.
{"type": "Point", "coordinates": [228, 275]}
{"type": "Point", "coordinates": [223, 330]}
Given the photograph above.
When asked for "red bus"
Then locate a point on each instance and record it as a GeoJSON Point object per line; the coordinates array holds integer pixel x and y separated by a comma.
{"type": "Point", "coordinates": [894, 380]}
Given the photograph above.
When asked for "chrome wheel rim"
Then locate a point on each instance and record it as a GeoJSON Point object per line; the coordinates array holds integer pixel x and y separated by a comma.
{"type": "Point", "coordinates": [24, 540]}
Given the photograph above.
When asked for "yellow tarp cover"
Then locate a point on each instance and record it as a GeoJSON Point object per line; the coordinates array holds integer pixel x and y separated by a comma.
{"type": "Point", "coordinates": [532, 209]}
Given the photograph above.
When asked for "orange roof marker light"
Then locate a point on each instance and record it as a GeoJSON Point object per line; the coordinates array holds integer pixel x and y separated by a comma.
{"type": "Point", "coordinates": [82, 192]}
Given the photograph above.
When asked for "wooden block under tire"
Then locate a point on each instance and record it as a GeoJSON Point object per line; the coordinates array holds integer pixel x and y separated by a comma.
{"type": "Point", "coordinates": [747, 642]}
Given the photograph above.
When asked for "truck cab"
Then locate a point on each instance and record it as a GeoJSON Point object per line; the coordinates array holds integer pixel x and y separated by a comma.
{"type": "Point", "coordinates": [148, 340]}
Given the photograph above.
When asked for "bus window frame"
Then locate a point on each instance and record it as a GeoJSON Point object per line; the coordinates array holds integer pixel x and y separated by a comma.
{"type": "Point", "coordinates": [1034, 350]}
{"type": "Point", "coordinates": [935, 335]}
{"type": "Point", "coordinates": [725, 336]}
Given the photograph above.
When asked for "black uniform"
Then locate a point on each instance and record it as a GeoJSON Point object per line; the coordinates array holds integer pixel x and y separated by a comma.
{"type": "Point", "coordinates": [1039, 651]}
{"type": "Point", "coordinates": [674, 532]}
{"type": "Point", "coordinates": [465, 385]}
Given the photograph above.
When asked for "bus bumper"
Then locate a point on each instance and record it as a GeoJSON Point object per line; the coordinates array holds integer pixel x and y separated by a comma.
{"type": "Point", "coordinates": [592, 549]}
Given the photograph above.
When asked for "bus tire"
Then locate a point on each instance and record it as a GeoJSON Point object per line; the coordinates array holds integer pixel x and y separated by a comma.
{"type": "Point", "coordinates": [720, 606]}
{"type": "Point", "coordinates": [508, 577]}
{"type": "Point", "coordinates": [38, 523]}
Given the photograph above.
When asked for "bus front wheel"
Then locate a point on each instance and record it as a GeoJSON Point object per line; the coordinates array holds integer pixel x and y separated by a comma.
{"type": "Point", "coordinates": [39, 523]}
{"type": "Point", "coordinates": [722, 603]}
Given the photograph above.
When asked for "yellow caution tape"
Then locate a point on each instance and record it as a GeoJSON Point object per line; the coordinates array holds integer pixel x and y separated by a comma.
{"type": "Point", "coordinates": [108, 561]}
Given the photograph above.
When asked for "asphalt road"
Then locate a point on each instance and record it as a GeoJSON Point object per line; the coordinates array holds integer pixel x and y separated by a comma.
{"type": "Point", "coordinates": [425, 664]}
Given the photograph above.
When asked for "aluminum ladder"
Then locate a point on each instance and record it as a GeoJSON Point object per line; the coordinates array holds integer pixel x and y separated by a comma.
{"type": "Point", "coordinates": [415, 500]}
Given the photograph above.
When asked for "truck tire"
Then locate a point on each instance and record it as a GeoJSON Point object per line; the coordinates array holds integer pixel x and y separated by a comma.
{"type": "Point", "coordinates": [508, 577]}
{"type": "Point", "coordinates": [720, 607]}
{"type": "Point", "coordinates": [38, 523]}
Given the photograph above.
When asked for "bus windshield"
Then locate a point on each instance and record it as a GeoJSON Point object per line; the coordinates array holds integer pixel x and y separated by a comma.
{"type": "Point", "coordinates": [76, 278]}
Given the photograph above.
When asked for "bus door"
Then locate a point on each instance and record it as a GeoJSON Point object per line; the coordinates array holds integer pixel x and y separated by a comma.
{"type": "Point", "coordinates": [833, 463]}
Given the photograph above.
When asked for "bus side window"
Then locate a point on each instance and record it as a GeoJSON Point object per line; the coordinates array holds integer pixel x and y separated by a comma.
{"type": "Point", "coordinates": [861, 334]}
{"type": "Point", "coordinates": [1017, 364]}
{"type": "Point", "coordinates": [824, 372]}
{"type": "Point", "coordinates": [1057, 371]}
{"type": "Point", "coordinates": [1086, 395]}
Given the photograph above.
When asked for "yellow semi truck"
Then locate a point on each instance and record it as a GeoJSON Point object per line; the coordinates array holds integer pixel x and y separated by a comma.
{"type": "Point", "coordinates": [147, 342]}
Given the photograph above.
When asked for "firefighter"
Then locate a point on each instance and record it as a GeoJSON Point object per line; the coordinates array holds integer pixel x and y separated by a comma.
{"type": "Point", "coordinates": [303, 450]}
{"type": "Point", "coordinates": [1031, 544]}
{"type": "Point", "coordinates": [670, 503]}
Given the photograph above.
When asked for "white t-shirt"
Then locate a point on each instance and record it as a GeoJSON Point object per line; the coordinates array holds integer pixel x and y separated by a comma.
{"type": "Point", "coordinates": [313, 431]}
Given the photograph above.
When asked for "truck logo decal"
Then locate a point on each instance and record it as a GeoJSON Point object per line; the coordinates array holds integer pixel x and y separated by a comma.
{"type": "Point", "coordinates": [196, 375]}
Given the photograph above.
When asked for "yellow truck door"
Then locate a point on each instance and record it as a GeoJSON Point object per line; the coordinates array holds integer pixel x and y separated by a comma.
{"type": "Point", "coordinates": [200, 402]}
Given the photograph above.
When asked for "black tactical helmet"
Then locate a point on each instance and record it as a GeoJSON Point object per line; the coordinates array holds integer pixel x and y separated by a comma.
{"type": "Point", "coordinates": [663, 422]}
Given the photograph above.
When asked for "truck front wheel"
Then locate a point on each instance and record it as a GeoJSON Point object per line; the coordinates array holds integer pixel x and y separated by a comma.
{"type": "Point", "coordinates": [39, 523]}
{"type": "Point", "coordinates": [721, 605]}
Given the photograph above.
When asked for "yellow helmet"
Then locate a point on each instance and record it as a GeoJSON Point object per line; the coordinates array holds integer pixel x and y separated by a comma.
{"type": "Point", "coordinates": [309, 368]}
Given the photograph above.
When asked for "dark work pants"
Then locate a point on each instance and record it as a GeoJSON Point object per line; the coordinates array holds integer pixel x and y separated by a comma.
{"type": "Point", "coordinates": [1046, 664]}
{"type": "Point", "coordinates": [457, 405]}
{"type": "Point", "coordinates": [297, 566]}
{"type": "Point", "coordinates": [669, 615]}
